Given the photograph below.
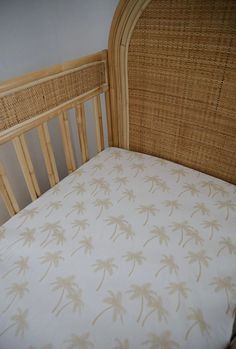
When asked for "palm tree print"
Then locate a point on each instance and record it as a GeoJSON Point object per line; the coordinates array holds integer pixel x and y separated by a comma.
{"type": "Point", "coordinates": [75, 299]}
{"type": "Point", "coordinates": [227, 205]}
{"type": "Point", "coordinates": [98, 184]}
{"type": "Point", "coordinates": [227, 243]}
{"type": "Point", "coordinates": [87, 244]}
{"type": "Point", "coordinates": [179, 288]}
{"type": "Point", "coordinates": [156, 305]}
{"type": "Point", "coordinates": [26, 214]}
{"type": "Point", "coordinates": [142, 292]}
{"type": "Point", "coordinates": [106, 266]}
{"type": "Point", "coordinates": [200, 207]}
{"type": "Point", "coordinates": [193, 235]}
{"type": "Point", "coordinates": [80, 225]}
{"type": "Point", "coordinates": [200, 258]}
{"type": "Point", "coordinates": [19, 321]}
{"type": "Point", "coordinates": [118, 168]}
{"type": "Point", "coordinates": [219, 190]}
{"type": "Point", "coordinates": [138, 167]}
{"type": "Point", "coordinates": [120, 181]}
{"type": "Point", "coordinates": [183, 227]}
{"type": "Point", "coordinates": [58, 238]}
{"type": "Point", "coordinates": [65, 284]}
{"type": "Point", "coordinates": [97, 167]}
{"type": "Point", "coordinates": [117, 221]}
{"type": "Point", "coordinates": [102, 204]}
{"type": "Point", "coordinates": [190, 188]}
{"type": "Point", "coordinates": [17, 290]}
{"type": "Point", "coordinates": [163, 341]}
{"type": "Point", "coordinates": [78, 189]}
{"type": "Point", "coordinates": [114, 302]}
{"type": "Point", "coordinates": [52, 259]}
{"type": "Point", "coordinates": [198, 320]}
{"type": "Point", "coordinates": [27, 237]}
{"type": "Point", "coordinates": [78, 207]}
{"type": "Point", "coordinates": [121, 345]}
{"type": "Point", "coordinates": [2, 233]}
{"type": "Point", "coordinates": [168, 262]}
{"type": "Point", "coordinates": [53, 206]}
{"type": "Point", "coordinates": [76, 174]}
{"type": "Point", "coordinates": [210, 185]}
{"type": "Point", "coordinates": [148, 210]}
{"type": "Point", "coordinates": [21, 266]}
{"type": "Point", "coordinates": [160, 234]}
{"type": "Point", "coordinates": [51, 228]}
{"type": "Point", "coordinates": [213, 225]}
{"type": "Point", "coordinates": [79, 342]}
{"type": "Point", "coordinates": [173, 205]}
{"type": "Point", "coordinates": [126, 230]}
{"type": "Point", "coordinates": [135, 258]}
{"type": "Point", "coordinates": [155, 181]}
{"type": "Point", "coordinates": [225, 284]}
{"type": "Point", "coordinates": [128, 194]}
{"type": "Point", "coordinates": [179, 173]}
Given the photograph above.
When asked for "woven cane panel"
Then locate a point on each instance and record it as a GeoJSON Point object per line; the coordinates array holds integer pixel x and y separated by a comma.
{"type": "Point", "coordinates": [31, 101]}
{"type": "Point", "coordinates": [182, 84]}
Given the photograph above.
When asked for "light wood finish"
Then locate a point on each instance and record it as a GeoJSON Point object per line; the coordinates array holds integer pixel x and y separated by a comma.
{"type": "Point", "coordinates": [98, 123]}
{"type": "Point", "coordinates": [66, 138]}
{"type": "Point", "coordinates": [109, 120]}
{"type": "Point", "coordinates": [46, 146]}
{"type": "Point", "coordinates": [7, 193]}
{"type": "Point", "coordinates": [24, 166]}
{"type": "Point", "coordinates": [82, 132]}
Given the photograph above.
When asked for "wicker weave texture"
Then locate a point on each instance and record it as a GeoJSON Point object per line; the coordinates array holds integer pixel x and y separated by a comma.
{"type": "Point", "coordinates": [182, 84]}
{"type": "Point", "coordinates": [30, 101]}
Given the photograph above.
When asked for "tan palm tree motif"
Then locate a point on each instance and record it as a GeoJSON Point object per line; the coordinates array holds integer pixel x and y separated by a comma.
{"type": "Point", "coordinates": [50, 228]}
{"type": "Point", "coordinates": [2, 233]}
{"type": "Point", "coordinates": [179, 173]}
{"type": "Point", "coordinates": [183, 227]}
{"type": "Point", "coordinates": [65, 284]}
{"type": "Point", "coordinates": [114, 302]}
{"type": "Point", "coordinates": [198, 320]}
{"type": "Point", "coordinates": [225, 284]}
{"type": "Point", "coordinates": [219, 190]}
{"type": "Point", "coordinates": [142, 292]}
{"type": "Point", "coordinates": [117, 221]}
{"type": "Point", "coordinates": [227, 205]}
{"type": "Point", "coordinates": [227, 243]}
{"type": "Point", "coordinates": [79, 342]}
{"type": "Point", "coordinates": [156, 305]}
{"type": "Point", "coordinates": [52, 259]}
{"type": "Point", "coordinates": [138, 167]}
{"type": "Point", "coordinates": [21, 266]}
{"type": "Point", "coordinates": [148, 210]}
{"type": "Point", "coordinates": [168, 262]}
{"type": "Point", "coordinates": [19, 321]}
{"type": "Point", "coordinates": [128, 194]}
{"type": "Point", "coordinates": [106, 266]}
{"type": "Point", "coordinates": [115, 154]}
{"type": "Point", "coordinates": [120, 181]}
{"type": "Point", "coordinates": [102, 204]}
{"type": "Point", "coordinates": [80, 225]}
{"type": "Point", "coordinates": [53, 206]}
{"type": "Point", "coordinates": [200, 258]}
{"type": "Point", "coordinates": [155, 181]}
{"type": "Point", "coordinates": [200, 207]}
{"type": "Point", "coordinates": [78, 189]}
{"type": "Point", "coordinates": [210, 186]}
{"type": "Point", "coordinates": [55, 190]}
{"type": "Point", "coordinates": [86, 244]}
{"type": "Point", "coordinates": [163, 341]}
{"type": "Point", "coordinates": [173, 205]}
{"type": "Point", "coordinates": [135, 258]}
{"type": "Point", "coordinates": [160, 234]}
{"type": "Point", "coordinates": [78, 208]}
{"type": "Point", "coordinates": [122, 345]}
{"type": "Point", "coordinates": [26, 214]}
{"type": "Point", "coordinates": [75, 300]}
{"type": "Point", "coordinates": [98, 184]}
{"type": "Point", "coordinates": [26, 237]}
{"type": "Point", "coordinates": [193, 235]}
{"type": "Point", "coordinates": [126, 230]}
{"type": "Point", "coordinates": [75, 175]}
{"type": "Point", "coordinates": [118, 168]}
{"type": "Point", "coordinates": [97, 167]}
{"type": "Point", "coordinates": [213, 225]}
{"type": "Point", "coordinates": [17, 290]}
{"type": "Point", "coordinates": [190, 188]}
{"type": "Point", "coordinates": [179, 288]}
{"type": "Point", "coordinates": [58, 238]}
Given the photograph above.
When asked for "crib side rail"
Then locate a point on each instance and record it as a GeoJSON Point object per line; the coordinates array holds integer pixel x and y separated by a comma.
{"type": "Point", "coordinates": [31, 101]}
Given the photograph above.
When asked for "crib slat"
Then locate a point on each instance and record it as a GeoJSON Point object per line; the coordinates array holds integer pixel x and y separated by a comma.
{"type": "Point", "coordinates": [7, 193]}
{"type": "Point", "coordinates": [108, 112]}
{"type": "Point", "coordinates": [24, 167]}
{"type": "Point", "coordinates": [66, 138]}
{"type": "Point", "coordinates": [46, 146]}
{"type": "Point", "coordinates": [98, 122]}
{"type": "Point", "coordinates": [81, 126]}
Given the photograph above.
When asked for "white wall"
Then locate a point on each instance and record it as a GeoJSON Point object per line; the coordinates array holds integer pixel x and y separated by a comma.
{"type": "Point", "coordinates": [35, 34]}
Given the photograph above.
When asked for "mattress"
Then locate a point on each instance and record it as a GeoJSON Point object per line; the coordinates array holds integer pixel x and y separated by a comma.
{"type": "Point", "coordinates": [129, 251]}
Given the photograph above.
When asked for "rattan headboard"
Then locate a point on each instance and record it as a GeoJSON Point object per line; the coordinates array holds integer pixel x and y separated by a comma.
{"type": "Point", "coordinates": [173, 81]}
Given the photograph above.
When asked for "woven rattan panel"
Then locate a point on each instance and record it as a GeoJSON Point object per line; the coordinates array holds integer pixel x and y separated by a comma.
{"type": "Point", "coordinates": [182, 84]}
{"type": "Point", "coordinates": [17, 107]}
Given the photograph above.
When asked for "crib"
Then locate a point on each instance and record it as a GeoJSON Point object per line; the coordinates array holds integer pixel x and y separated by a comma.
{"type": "Point", "coordinates": [136, 247]}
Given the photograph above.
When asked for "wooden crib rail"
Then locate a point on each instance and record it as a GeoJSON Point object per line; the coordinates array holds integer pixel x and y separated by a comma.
{"type": "Point", "coordinates": [31, 101]}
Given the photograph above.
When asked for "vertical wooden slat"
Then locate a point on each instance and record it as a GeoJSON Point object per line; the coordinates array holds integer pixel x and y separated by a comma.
{"type": "Point", "coordinates": [109, 120]}
{"type": "Point", "coordinates": [81, 126]}
{"type": "Point", "coordinates": [7, 193]}
{"type": "Point", "coordinates": [98, 122]}
{"type": "Point", "coordinates": [66, 138]}
{"type": "Point", "coordinates": [24, 166]}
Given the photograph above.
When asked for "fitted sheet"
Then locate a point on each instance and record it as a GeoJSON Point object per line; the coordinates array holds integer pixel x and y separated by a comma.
{"type": "Point", "coordinates": [129, 251]}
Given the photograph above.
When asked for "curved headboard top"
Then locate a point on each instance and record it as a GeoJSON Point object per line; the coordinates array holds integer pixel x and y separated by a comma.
{"type": "Point", "coordinates": [173, 81]}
